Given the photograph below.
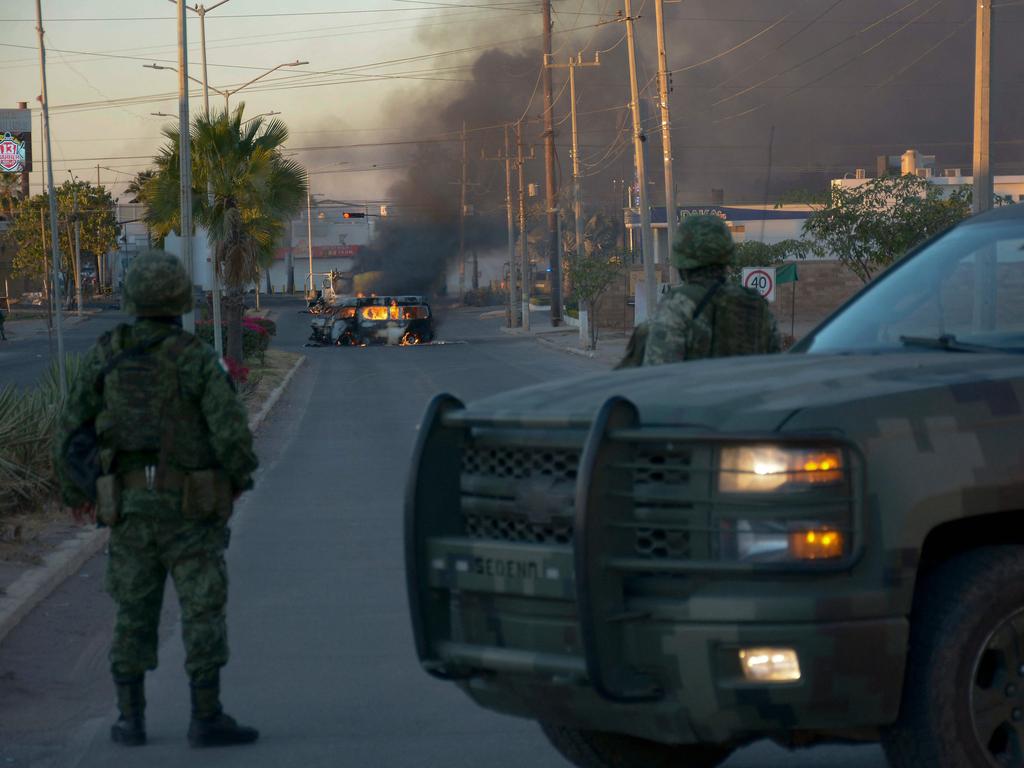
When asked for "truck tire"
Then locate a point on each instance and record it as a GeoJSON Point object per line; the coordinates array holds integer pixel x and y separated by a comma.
{"type": "Point", "coordinates": [598, 749]}
{"type": "Point", "coordinates": [963, 693]}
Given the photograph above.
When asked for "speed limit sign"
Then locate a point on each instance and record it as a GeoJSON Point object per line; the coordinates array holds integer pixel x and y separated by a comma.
{"type": "Point", "coordinates": [760, 279]}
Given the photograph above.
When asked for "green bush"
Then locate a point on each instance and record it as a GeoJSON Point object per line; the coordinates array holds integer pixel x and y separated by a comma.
{"type": "Point", "coordinates": [266, 323]}
{"type": "Point", "coordinates": [28, 421]}
{"type": "Point", "coordinates": [255, 337]}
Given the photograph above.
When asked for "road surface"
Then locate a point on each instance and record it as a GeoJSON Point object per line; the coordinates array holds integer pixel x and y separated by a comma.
{"type": "Point", "coordinates": [322, 656]}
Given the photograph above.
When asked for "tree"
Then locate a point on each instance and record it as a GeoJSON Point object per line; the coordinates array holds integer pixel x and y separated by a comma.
{"type": "Point", "coordinates": [754, 253]}
{"type": "Point", "coordinates": [870, 226]}
{"type": "Point", "coordinates": [255, 191]}
{"type": "Point", "coordinates": [590, 275]}
{"type": "Point", "coordinates": [10, 193]}
{"type": "Point", "coordinates": [137, 186]}
{"type": "Point", "coordinates": [98, 234]}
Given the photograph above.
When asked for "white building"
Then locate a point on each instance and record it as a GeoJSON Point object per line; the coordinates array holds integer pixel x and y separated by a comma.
{"type": "Point", "coordinates": [1010, 188]}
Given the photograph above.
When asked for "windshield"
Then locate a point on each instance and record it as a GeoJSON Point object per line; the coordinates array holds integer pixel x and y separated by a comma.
{"type": "Point", "coordinates": [963, 292]}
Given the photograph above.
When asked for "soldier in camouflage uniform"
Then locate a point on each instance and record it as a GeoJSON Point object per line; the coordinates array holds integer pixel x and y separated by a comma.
{"type": "Point", "coordinates": [174, 451]}
{"type": "Point", "coordinates": [706, 316]}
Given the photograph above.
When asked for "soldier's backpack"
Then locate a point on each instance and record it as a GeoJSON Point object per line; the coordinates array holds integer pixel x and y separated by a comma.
{"type": "Point", "coordinates": [637, 344]}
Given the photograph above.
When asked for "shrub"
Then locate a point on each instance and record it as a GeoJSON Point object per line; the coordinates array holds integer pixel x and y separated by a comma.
{"type": "Point", "coordinates": [268, 325]}
{"type": "Point", "coordinates": [255, 337]}
{"type": "Point", "coordinates": [238, 372]}
{"type": "Point", "coordinates": [28, 421]}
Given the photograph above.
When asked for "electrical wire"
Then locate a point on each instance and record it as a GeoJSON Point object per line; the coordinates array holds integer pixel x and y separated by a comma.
{"type": "Point", "coordinates": [832, 71]}
{"type": "Point", "coordinates": [818, 55]}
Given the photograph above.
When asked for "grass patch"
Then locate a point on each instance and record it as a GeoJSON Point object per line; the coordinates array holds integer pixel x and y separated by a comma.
{"type": "Point", "coordinates": [266, 376]}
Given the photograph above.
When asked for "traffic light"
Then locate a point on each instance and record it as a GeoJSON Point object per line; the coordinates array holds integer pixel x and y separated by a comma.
{"type": "Point", "coordinates": [353, 215]}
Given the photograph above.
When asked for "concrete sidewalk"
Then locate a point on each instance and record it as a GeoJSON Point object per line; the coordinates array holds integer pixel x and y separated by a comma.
{"type": "Point", "coordinates": [611, 345]}
{"type": "Point", "coordinates": [19, 330]}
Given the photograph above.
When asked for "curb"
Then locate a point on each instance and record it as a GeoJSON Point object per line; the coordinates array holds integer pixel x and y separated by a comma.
{"type": "Point", "coordinates": [34, 586]}
{"type": "Point", "coordinates": [569, 350]}
{"type": "Point", "coordinates": [256, 420]}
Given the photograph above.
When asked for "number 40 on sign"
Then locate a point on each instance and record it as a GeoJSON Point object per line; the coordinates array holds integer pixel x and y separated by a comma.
{"type": "Point", "coordinates": [760, 279]}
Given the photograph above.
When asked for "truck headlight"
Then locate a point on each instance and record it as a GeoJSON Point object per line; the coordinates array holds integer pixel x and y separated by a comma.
{"type": "Point", "coordinates": [767, 468]}
{"type": "Point", "coordinates": [759, 541]}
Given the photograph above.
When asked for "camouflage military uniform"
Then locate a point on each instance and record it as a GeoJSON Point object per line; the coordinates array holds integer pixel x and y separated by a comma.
{"type": "Point", "coordinates": [201, 427]}
{"type": "Point", "coordinates": [706, 316]}
{"type": "Point", "coordinates": [735, 321]}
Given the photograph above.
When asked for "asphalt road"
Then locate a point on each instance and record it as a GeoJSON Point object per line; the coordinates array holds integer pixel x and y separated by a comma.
{"type": "Point", "coordinates": [322, 657]}
{"type": "Point", "coordinates": [30, 350]}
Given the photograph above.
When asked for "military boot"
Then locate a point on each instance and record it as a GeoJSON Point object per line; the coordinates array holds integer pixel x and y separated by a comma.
{"type": "Point", "coordinates": [210, 726]}
{"type": "Point", "coordinates": [130, 728]}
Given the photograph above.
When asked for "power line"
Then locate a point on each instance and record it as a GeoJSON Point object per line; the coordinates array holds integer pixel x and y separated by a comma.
{"type": "Point", "coordinates": [818, 55]}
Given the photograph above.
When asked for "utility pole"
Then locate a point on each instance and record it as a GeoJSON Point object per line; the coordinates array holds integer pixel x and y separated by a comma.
{"type": "Point", "coordinates": [514, 320]}
{"type": "Point", "coordinates": [309, 242]}
{"type": "Point", "coordinates": [666, 129]}
{"type": "Point", "coordinates": [54, 237]}
{"type": "Point", "coordinates": [185, 166]}
{"type": "Point", "coordinates": [78, 247]}
{"type": "Point", "coordinates": [24, 174]}
{"type": "Point", "coordinates": [555, 262]}
{"type": "Point", "coordinates": [506, 155]}
{"type": "Point", "coordinates": [524, 250]}
{"type": "Point", "coordinates": [218, 333]}
{"type": "Point", "coordinates": [982, 199]}
{"type": "Point", "coordinates": [650, 277]}
{"type": "Point", "coordinates": [577, 178]}
{"type": "Point", "coordinates": [462, 219]}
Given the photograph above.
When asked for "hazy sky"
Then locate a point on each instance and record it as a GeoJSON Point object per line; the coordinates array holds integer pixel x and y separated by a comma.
{"type": "Point", "coordinates": [829, 84]}
{"type": "Point", "coordinates": [101, 105]}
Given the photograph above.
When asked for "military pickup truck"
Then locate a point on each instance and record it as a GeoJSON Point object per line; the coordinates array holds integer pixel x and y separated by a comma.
{"type": "Point", "coordinates": [663, 564]}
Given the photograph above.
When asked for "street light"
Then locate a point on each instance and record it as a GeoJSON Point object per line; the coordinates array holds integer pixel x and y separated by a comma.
{"type": "Point", "coordinates": [226, 93]}
{"type": "Point", "coordinates": [261, 114]}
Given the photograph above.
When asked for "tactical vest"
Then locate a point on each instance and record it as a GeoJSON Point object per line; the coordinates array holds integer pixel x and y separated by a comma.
{"type": "Point", "coordinates": [144, 408]}
{"type": "Point", "coordinates": [728, 320]}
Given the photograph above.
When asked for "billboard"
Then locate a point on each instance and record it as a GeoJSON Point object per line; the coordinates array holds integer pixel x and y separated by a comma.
{"type": "Point", "coordinates": [15, 140]}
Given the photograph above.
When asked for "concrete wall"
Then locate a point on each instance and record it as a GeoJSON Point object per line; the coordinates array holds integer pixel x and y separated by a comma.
{"type": "Point", "coordinates": [822, 287]}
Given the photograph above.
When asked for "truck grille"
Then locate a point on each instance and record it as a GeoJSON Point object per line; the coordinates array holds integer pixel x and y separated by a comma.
{"type": "Point", "coordinates": [525, 494]}
{"type": "Point", "coordinates": [519, 493]}
{"type": "Point", "coordinates": [503, 529]}
{"type": "Point", "coordinates": [519, 462]}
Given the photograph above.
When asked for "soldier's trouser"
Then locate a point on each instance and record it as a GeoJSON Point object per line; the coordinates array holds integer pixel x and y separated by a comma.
{"type": "Point", "coordinates": [143, 550]}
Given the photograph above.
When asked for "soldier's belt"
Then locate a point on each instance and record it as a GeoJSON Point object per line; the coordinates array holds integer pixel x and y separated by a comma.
{"type": "Point", "coordinates": [150, 478]}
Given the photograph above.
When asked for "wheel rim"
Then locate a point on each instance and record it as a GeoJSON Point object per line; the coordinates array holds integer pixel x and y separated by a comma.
{"type": "Point", "coordinates": [997, 693]}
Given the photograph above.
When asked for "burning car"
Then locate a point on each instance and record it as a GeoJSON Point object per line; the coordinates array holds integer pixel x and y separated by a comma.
{"type": "Point", "coordinates": [395, 320]}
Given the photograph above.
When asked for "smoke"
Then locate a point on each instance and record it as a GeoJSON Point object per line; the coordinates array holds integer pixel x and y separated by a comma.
{"type": "Point", "coordinates": [818, 86]}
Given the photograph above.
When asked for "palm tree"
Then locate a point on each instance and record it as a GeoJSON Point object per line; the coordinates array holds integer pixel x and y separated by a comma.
{"type": "Point", "coordinates": [137, 186]}
{"type": "Point", "coordinates": [255, 190]}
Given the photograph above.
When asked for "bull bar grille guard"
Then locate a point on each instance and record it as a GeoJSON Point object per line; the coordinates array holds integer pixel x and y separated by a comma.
{"type": "Point", "coordinates": [602, 564]}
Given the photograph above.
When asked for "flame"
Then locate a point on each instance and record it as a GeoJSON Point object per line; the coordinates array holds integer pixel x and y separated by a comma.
{"type": "Point", "coordinates": [409, 339]}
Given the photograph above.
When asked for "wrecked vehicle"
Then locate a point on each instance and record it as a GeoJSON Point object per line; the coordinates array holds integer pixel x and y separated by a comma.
{"type": "Point", "coordinates": [663, 564]}
{"type": "Point", "coordinates": [396, 320]}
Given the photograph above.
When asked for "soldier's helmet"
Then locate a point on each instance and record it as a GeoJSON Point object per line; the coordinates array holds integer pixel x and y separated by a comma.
{"type": "Point", "coordinates": [702, 241]}
{"type": "Point", "coordinates": [156, 285]}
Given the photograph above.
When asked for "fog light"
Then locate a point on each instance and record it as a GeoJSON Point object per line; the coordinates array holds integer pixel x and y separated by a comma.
{"type": "Point", "coordinates": [816, 544]}
{"type": "Point", "coordinates": [770, 665]}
